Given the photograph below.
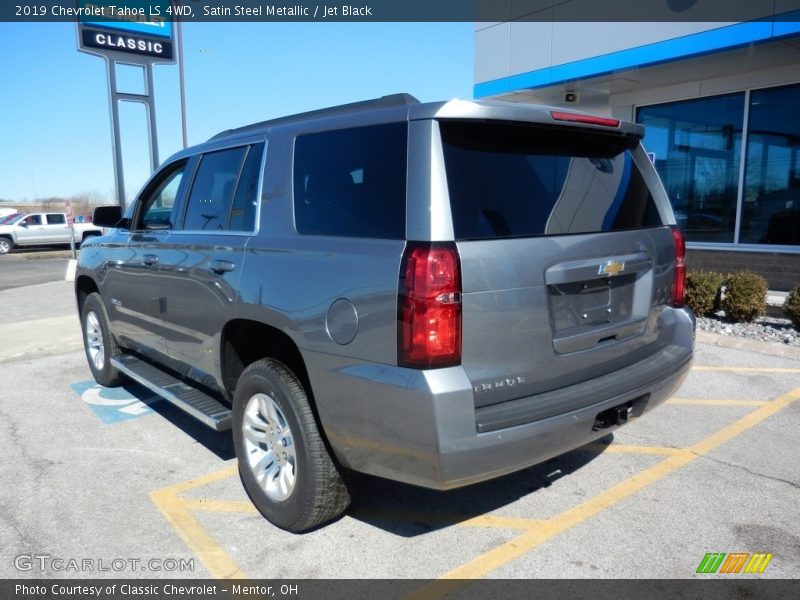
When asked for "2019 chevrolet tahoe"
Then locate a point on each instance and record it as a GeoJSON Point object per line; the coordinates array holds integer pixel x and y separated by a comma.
{"type": "Point", "coordinates": [435, 293]}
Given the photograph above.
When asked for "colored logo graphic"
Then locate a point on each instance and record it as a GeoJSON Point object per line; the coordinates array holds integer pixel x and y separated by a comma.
{"type": "Point", "coordinates": [150, 17]}
{"type": "Point", "coordinates": [112, 405]}
{"type": "Point", "coordinates": [734, 562]}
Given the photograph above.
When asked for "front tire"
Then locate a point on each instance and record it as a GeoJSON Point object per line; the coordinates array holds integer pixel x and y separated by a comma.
{"type": "Point", "coordinates": [283, 462]}
{"type": "Point", "coordinates": [99, 344]}
{"type": "Point", "coordinates": [6, 245]}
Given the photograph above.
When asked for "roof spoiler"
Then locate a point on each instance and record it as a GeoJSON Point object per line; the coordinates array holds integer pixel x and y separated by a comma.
{"type": "Point", "coordinates": [343, 109]}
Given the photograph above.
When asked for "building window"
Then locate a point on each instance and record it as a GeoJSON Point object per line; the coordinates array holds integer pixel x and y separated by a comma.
{"type": "Point", "coordinates": [696, 146]}
{"type": "Point", "coordinates": [771, 199]}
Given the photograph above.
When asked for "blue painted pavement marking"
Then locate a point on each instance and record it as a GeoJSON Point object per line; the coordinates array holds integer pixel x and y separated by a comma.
{"type": "Point", "coordinates": [113, 405]}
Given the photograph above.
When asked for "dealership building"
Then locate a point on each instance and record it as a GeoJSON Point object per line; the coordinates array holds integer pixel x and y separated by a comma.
{"type": "Point", "coordinates": [720, 103]}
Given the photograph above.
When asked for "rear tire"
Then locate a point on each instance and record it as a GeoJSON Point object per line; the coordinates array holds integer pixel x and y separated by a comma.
{"type": "Point", "coordinates": [6, 245]}
{"type": "Point", "coordinates": [283, 462]}
{"type": "Point", "coordinates": [99, 344]}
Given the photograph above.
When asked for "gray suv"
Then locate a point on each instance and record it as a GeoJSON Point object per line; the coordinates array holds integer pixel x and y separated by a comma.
{"type": "Point", "coordinates": [435, 293]}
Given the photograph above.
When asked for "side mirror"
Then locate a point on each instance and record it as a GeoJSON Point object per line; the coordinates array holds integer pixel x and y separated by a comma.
{"type": "Point", "coordinates": [23, 224]}
{"type": "Point", "coordinates": [109, 216]}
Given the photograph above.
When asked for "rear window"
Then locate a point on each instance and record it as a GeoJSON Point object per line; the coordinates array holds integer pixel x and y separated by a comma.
{"type": "Point", "coordinates": [225, 189]}
{"type": "Point", "coordinates": [515, 180]}
{"type": "Point", "coordinates": [352, 182]}
{"type": "Point", "coordinates": [213, 190]}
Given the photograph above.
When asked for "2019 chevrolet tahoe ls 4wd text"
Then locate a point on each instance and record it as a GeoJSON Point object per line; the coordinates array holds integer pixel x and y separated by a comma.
{"type": "Point", "coordinates": [436, 293]}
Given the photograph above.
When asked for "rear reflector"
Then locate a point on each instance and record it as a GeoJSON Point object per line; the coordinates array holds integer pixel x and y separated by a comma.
{"type": "Point", "coordinates": [429, 306]}
{"type": "Point", "coordinates": [588, 119]}
{"type": "Point", "coordinates": [679, 283]}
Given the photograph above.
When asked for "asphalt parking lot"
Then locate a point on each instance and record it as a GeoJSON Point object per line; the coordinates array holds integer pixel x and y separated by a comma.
{"type": "Point", "coordinates": [107, 475]}
{"type": "Point", "coordinates": [26, 267]}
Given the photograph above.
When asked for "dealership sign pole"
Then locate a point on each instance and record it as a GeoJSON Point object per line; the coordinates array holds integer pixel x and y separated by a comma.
{"type": "Point", "coordinates": [134, 33]}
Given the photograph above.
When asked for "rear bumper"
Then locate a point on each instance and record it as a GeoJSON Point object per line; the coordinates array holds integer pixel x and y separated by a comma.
{"type": "Point", "coordinates": [641, 377]}
{"type": "Point", "coordinates": [421, 427]}
{"type": "Point", "coordinates": [505, 450]}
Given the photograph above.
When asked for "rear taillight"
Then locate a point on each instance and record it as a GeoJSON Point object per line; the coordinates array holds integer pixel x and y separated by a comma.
{"type": "Point", "coordinates": [588, 119]}
{"type": "Point", "coordinates": [429, 306]}
{"type": "Point", "coordinates": [679, 283]}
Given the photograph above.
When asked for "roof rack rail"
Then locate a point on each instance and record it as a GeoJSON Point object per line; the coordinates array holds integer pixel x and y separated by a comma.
{"type": "Point", "coordinates": [342, 109]}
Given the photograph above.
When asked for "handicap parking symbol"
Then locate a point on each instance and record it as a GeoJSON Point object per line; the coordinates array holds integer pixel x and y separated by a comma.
{"type": "Point", "coordinates": [113, 405]}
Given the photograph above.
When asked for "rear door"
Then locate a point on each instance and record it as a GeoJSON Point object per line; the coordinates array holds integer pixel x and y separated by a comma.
{"type": "Point", "coordinates": [201, 264]}
{"type": "Point", "coordinates": [57, 230]}
{"type": "Point", "coordinates": [566, 254]}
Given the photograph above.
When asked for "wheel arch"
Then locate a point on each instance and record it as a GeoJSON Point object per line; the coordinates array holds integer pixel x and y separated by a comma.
{"type": "Point", "coordinates": [84, 285]}
{"type": "Point", "coordinates": [244, 341]}
{"type": "Point", "coordinates": [85, 235]}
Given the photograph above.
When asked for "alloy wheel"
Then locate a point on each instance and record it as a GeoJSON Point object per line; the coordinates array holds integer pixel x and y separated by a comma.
{"type": "Point", "coordinates": [269, 447]}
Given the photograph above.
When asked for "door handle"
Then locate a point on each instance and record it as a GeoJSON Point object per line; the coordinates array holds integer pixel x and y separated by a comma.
{"type": "Point", "coordinates": [149, 260]}
{"type": "Point", "coordinates": [221, 266]}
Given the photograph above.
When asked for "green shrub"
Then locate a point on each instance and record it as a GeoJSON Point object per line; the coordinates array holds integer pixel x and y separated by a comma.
{"type": "Point", "coordinates": [745, 297]}
{"type": "Point", "coordinates": [792, 306]}
{"type": "Point", "coordinates": [702, 291]}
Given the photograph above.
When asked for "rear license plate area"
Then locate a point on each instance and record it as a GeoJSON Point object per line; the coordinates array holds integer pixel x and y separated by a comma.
{"type": "Point", "coordinates": [591, 303]}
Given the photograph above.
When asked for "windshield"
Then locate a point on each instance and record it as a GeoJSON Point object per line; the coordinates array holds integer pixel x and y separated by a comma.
{"type": "Point", "coordinates": [515, 180]}
{"type": "Point", "coordinates": [10, 219]}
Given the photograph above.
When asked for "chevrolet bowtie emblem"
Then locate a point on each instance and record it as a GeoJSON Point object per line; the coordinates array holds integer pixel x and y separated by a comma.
{"type": "Point", "coordinates": [611, 268]}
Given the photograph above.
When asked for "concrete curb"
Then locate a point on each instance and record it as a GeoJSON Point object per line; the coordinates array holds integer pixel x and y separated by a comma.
{"type": "Point", "coordinates": [72, 267]}
{"type": "Point", "coordinates": [38, 254]}
{"type": "Point", "coordinates": [737, 343]}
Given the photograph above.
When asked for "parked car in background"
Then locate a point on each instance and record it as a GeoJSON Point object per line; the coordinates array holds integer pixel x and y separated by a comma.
{"type": "Point", "coordinates": [435, 293]}
{"type": "Point", "coordinates": [82, 219]}
{"type": "Point", "coordinates": [42, 229]}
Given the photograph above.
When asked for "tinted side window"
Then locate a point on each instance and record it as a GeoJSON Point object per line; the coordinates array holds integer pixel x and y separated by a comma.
{"type": "Point", "coordinates": [213, 190]}
{"type": "Point", "coordinates": [157, 204]}
{"type": "Point", "coordinates": [352, 182]}
{"type": "Point", "coordinates": [56, 219]}
{"type": "Point", "coordinates": [243, 212]}
{"type": "Point", "coordinates": [512, 180]}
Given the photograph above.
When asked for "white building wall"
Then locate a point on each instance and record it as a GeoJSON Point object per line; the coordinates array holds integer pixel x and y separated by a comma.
{"type": "Point", "coordinates": [506, 49]}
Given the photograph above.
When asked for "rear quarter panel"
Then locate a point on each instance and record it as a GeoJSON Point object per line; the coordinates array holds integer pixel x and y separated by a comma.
{"type": "Point", "coordinates": [294, 279]}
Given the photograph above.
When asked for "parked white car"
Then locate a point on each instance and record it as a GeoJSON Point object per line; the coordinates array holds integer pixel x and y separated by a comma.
{"type": "Point", "coordinates": [46, 228]}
